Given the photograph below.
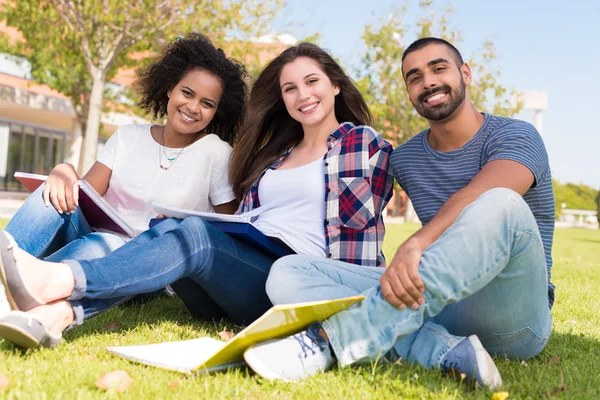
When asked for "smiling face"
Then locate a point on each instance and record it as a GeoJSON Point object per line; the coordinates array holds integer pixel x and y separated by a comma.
{"type": "Point", "coordinates": [193, 101]}
{"type": "Point", "coordinates": [308, 93]}
{"type": "Point", "coordinates": [435, 83]}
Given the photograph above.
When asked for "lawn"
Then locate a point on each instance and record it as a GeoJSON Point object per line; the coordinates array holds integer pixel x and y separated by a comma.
{"type": "Point", "coordinates": [572, 357]}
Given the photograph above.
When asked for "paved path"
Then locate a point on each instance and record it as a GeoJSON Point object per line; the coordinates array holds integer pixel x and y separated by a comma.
{"type": "Point", "coordinates": [8, 207]}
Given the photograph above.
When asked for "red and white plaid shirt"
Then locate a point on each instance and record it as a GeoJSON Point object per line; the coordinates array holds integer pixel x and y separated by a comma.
{"type": "Point", "coordinates": [357, 189]}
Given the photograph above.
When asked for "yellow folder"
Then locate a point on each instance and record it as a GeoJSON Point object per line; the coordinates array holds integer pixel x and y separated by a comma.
{"type": "Point", "coordinates": [207, 354]}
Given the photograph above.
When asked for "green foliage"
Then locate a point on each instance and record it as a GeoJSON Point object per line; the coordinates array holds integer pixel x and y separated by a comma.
{"type": "Point", "coordinates": [578, 197]}
{"type": "Point", "coordinates": [383, 86]}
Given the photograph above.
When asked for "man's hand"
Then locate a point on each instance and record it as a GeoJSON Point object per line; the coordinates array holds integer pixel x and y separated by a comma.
{"type": "Point", "coordinates": [401, 284]}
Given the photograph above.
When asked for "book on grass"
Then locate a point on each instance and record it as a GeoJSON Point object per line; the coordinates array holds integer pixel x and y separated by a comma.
{"type": "Point", "coordinates": [97, 212]}
{"type": "Point", "coordinates": [208, 355]}
{"type": "Point", "coordinates": [238, 226]}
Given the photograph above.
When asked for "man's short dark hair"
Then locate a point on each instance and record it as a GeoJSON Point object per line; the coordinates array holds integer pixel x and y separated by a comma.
{"type": "Point", "coordinates": [426, 41]}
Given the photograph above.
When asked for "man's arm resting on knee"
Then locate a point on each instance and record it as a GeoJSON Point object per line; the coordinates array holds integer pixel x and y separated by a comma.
{"type": "Point", "coordinates": [401, 284]}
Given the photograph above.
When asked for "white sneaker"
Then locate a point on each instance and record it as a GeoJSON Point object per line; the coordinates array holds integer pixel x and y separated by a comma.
{"type": "Point", "coordinates": [292, 358]}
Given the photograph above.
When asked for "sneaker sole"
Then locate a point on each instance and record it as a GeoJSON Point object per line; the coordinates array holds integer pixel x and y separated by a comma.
{"type": "Point", "coordinates": [18, 336]}
{"type": "Point", "coordinates": [486, 367]}
{"type": "Point", "coordinates": [259, 368]}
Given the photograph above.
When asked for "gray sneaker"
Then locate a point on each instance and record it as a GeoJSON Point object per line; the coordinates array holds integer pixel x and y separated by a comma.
{"type": "Point", "coordinates": [27, 331]}
{"type": "Point", "coordinates": [471, 359]}
{"type": "Point", "coordinates": [292, 358]}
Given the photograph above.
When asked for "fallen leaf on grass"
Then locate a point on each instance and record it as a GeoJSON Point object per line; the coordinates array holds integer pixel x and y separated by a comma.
{"type": "Point", "coordinates": [4, 382]}
{"type": "Point", "coordinates": [500, 396]}
{"type": "Point", "coordinates": [112, 326]}
{"type": "Point", "coordinates": [554, 360]}
{"type": "Point", "coordinates": [226, 335]}
{"type": "Point", "coordinates": [174, 384]}
{"type": "Point", "coordinates": [117, 380]}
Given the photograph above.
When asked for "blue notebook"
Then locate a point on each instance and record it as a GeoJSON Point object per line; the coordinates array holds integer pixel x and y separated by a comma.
{"type": "Point", "coordinates": [247, 233]}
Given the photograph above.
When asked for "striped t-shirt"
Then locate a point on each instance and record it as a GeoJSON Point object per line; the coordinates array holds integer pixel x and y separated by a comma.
{"type": "Point", "coordinates": [430, 177]}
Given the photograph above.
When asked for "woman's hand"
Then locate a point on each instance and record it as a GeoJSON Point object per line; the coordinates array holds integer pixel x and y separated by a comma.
{"type": "Point", "coordinates": [62, 188]}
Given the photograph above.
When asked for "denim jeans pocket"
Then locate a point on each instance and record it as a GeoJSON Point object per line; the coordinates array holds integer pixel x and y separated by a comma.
{"type": "Point", "coordinates": [521, 344]}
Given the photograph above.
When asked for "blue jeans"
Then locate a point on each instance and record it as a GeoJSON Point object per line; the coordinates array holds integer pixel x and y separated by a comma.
{"type": "Point", "coordinates": [231, 272]}
{"type": "Point", "coordinates": [486, 275]}
{"type": "Point", "coordinates": [44, 233]}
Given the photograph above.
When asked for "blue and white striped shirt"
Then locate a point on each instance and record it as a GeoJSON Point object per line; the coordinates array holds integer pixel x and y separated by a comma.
{"type": "Point", "coordinates": [430, 177]}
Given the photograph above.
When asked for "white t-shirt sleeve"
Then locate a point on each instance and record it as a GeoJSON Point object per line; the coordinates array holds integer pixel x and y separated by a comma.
{"type": "Point", "coordinates": [108, 153]}
{"type": "Point", "coordinates": [220, 191]}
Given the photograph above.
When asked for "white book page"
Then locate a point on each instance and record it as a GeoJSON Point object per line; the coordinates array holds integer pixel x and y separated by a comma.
{"type": "Point", "coordinates": [183, 356]}
{"type": "Point", "coordinates": [174, 212]}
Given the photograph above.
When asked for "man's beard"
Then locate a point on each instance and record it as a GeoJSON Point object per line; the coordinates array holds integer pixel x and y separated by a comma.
{"type": "Point", "coordinates": [444, 110]}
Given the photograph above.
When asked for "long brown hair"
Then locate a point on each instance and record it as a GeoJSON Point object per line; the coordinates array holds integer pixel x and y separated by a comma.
{"type": "Point", "coordinates": [268, 129]}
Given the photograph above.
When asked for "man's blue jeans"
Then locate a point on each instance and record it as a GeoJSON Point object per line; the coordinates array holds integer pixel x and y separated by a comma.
{"type": "Point", "coordinates": [486, 275]}
{"type": "Point", "coordinates": [231, 272]}
{"type": "Point", "coordinates": [44, 233]}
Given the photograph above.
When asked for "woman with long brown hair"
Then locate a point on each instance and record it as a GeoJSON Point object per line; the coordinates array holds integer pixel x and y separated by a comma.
{"type": "Point", "coordinates": [307, 166]}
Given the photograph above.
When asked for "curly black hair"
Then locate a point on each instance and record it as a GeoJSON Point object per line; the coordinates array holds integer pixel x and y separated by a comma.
{"type": "Point", "coordinates": [196, 51]}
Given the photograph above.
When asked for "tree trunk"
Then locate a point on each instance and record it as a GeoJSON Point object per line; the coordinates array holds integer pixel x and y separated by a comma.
{"type": "Point", "coordinates": [90, 140]}
{"type": "Point", "coordinates": [75, 143]}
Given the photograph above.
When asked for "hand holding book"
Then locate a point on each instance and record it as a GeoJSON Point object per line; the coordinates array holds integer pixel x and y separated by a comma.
{"type": "Point", "coordinates": [62, 188]}
{"type": "Point", "coordinates": [98, 213]}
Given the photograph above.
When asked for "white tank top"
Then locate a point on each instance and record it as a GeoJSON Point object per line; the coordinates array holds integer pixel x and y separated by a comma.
{"type": "Point", "coordinates": [299, 194]}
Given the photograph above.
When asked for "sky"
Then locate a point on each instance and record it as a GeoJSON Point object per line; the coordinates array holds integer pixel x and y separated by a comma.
{"type": "Point", "coordinates": [544, 45]}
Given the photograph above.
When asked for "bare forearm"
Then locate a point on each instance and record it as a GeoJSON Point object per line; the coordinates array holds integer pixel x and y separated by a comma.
{"type": "Point", "coordinates": [444, 218]}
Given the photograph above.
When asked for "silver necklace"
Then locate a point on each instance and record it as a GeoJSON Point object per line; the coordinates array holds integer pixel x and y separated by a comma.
{"type": "Point", "coordinates": [170, 160]}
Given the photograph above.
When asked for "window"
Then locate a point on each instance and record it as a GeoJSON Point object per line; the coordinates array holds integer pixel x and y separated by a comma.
{"type": "Point", "coordinates": [31, 149]}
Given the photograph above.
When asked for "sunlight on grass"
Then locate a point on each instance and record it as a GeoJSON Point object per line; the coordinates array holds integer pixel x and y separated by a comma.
{"type": "Point", "coordinates": [70, 371]}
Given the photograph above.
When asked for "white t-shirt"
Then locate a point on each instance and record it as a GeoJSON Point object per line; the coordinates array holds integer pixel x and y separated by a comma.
{"type": "Point", "coordinates": [197, 180]}
{"type": "Point", "coordinates": [293, 201]}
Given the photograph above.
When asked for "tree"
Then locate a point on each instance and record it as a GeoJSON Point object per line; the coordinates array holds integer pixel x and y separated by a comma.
{"type": "Point", "coordinates": [383, 86]}
{"type": "Point", "coordinates": [578, 197]}
{"type": "Point", "coordinates": [76, 46]}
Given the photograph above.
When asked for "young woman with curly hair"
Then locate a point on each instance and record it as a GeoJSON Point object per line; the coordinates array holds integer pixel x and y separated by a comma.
{"type": "Point", "coordinates": [183, 163]}
{"type": "Point", "coordinates": [307, 165]}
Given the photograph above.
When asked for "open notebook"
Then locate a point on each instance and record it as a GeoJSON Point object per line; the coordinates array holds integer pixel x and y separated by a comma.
{"type": "Point", "coordinates": [238, 226]}
{"type": "Point", "coordinates": [98, 213]}
{"type": "Point", "coordinates": [207, 355]}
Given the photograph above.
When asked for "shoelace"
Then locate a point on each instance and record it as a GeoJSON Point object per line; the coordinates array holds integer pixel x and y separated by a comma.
{"type": "Point", "coordinates": [448, 365]}
{"type": "Point", "coordinates": [308, 343]}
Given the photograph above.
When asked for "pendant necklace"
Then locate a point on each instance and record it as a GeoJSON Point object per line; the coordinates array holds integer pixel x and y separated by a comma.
{"type": "Point", "coordinates": [170, 160]}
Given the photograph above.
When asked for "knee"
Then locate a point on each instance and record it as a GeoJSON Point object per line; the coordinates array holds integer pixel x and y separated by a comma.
{"type": "Point", "coordinates": [282, 276]}
{"type": "Point", "coordinates": [195, 233]}
{"type": "Point", "coordinates": [195, 225]}
{"type": "Point", "coordinates": [504, 202]}
{"type": "Point", "coordinates": [500, 196]}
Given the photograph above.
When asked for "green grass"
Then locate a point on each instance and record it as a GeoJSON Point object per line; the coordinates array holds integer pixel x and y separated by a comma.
{"type": "Point", "coordinates": [70, 371]}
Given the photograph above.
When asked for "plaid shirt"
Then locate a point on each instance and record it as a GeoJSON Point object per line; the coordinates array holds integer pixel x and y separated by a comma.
{"type": "Point", "coordinates": [357, 188]}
